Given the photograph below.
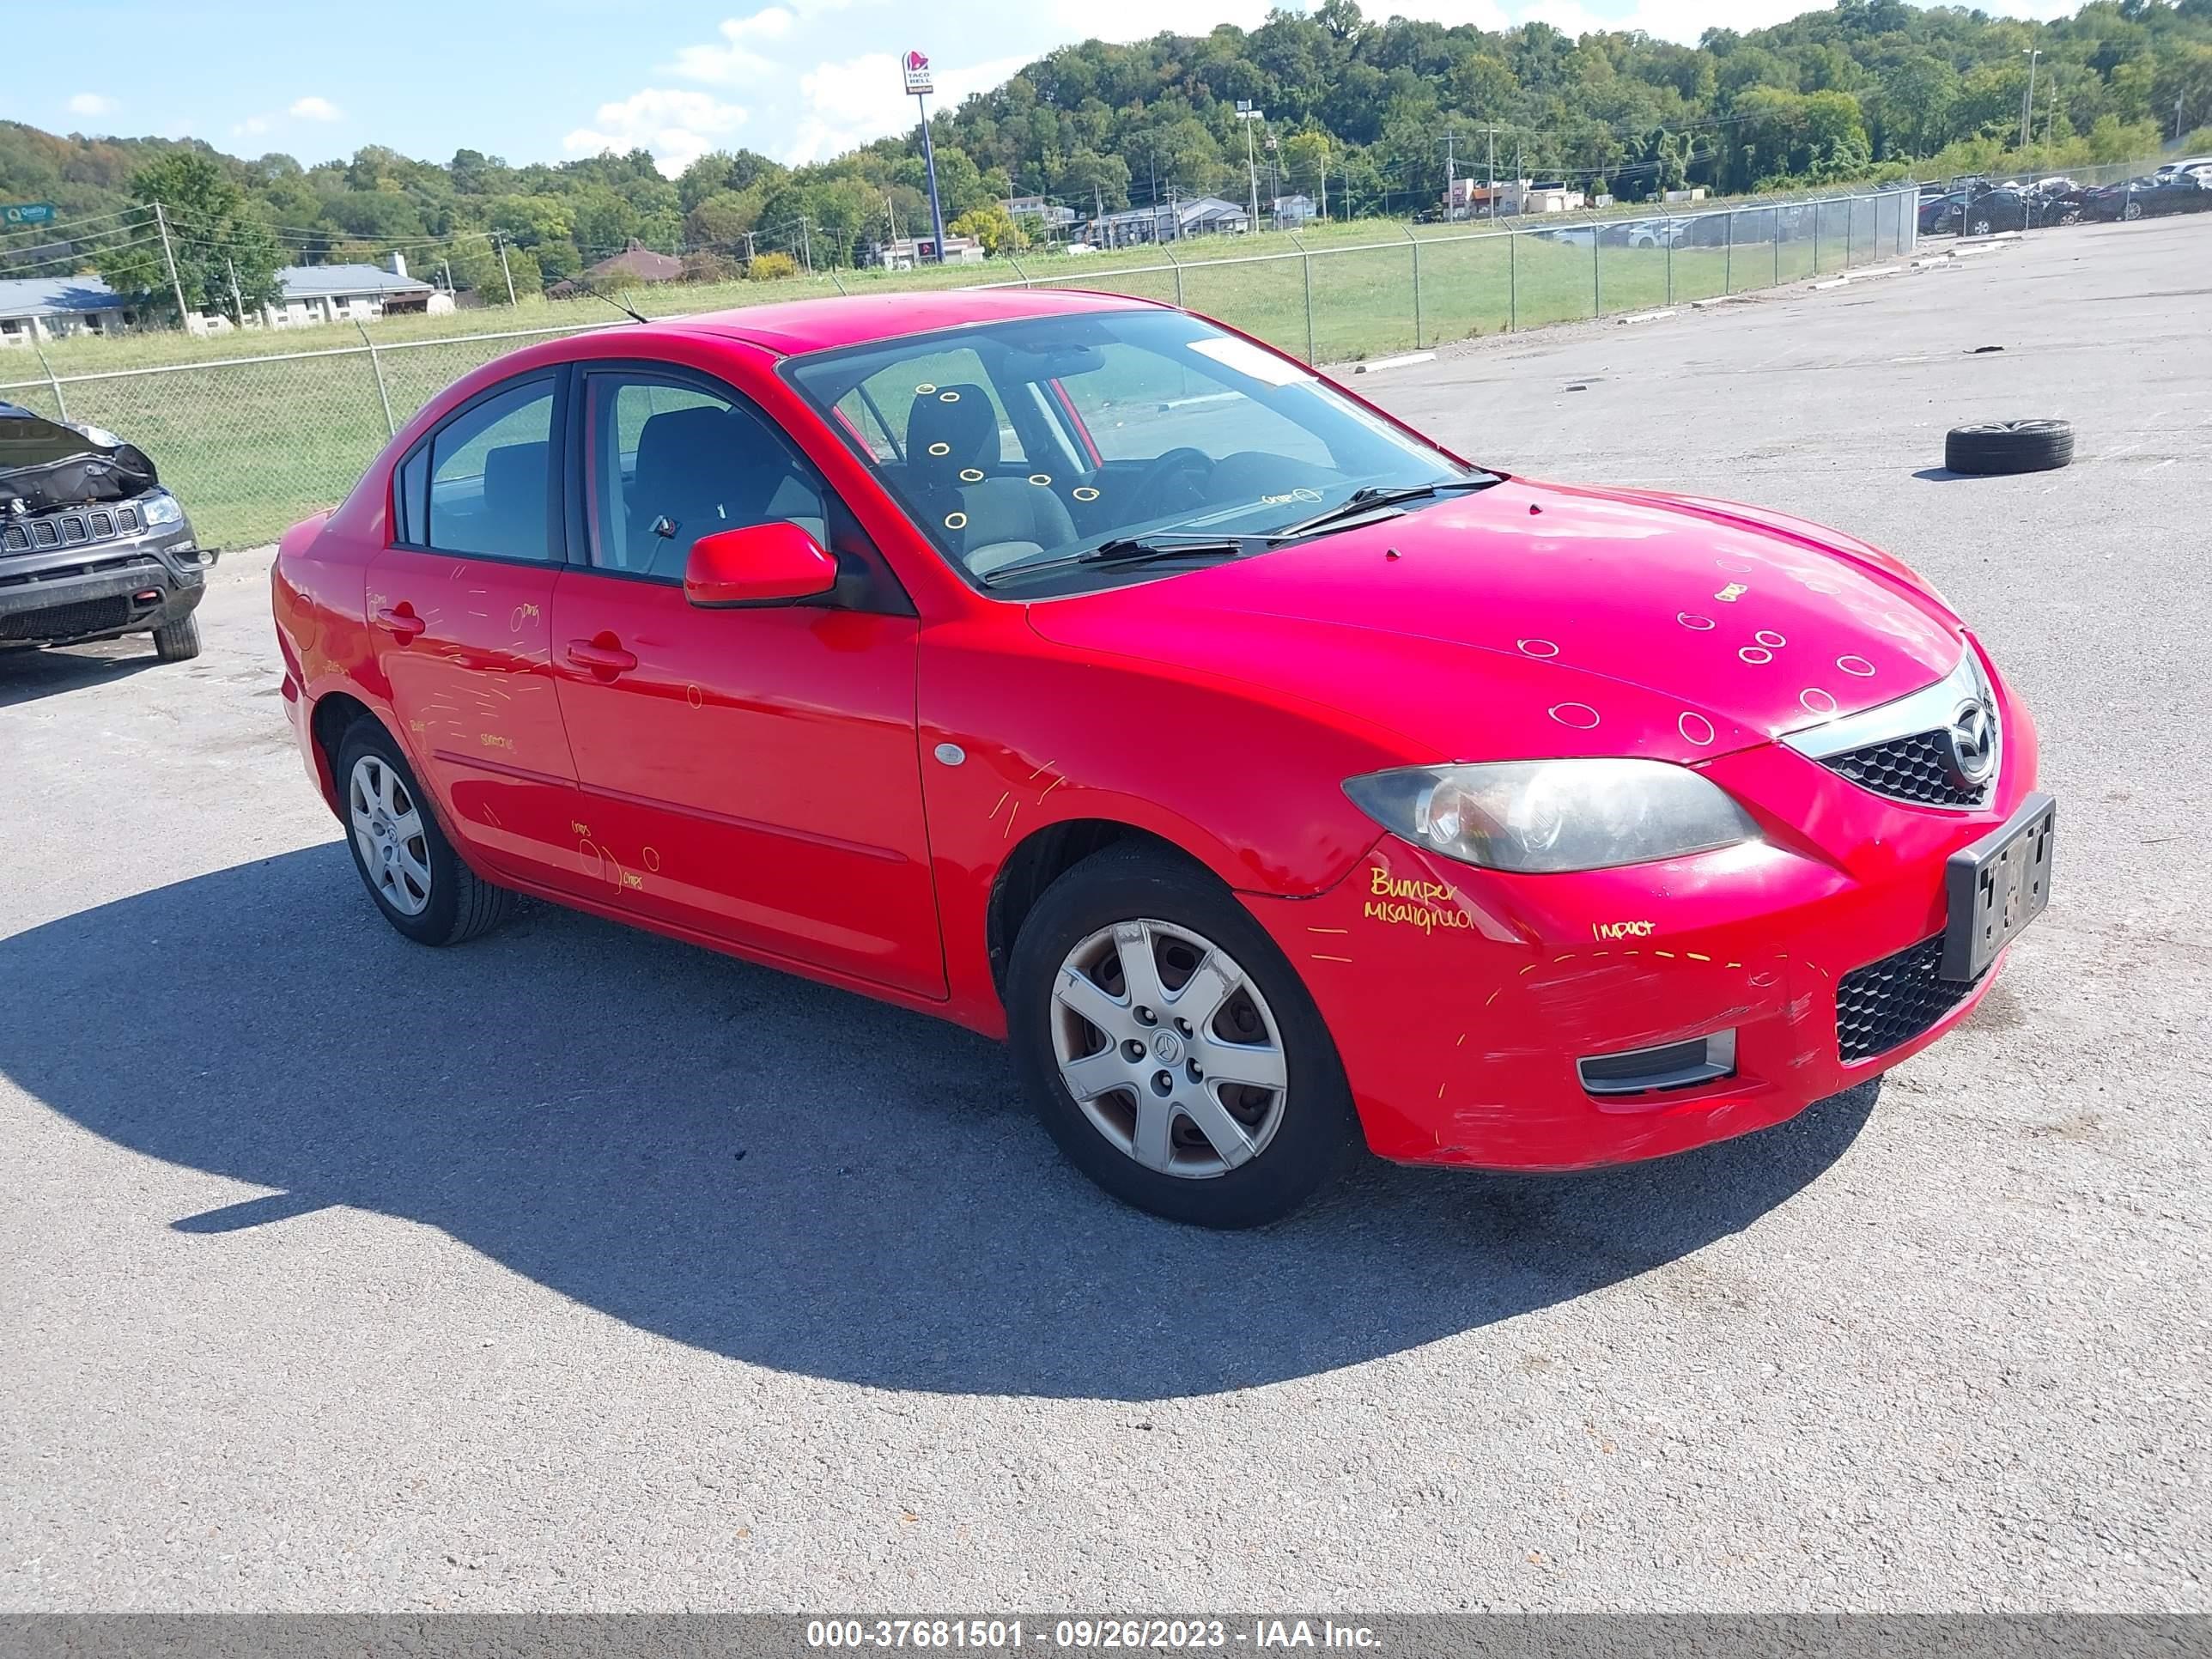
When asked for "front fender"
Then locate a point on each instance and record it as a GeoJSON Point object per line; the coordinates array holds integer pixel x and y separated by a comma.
{"type": "Point", "coordinates": [1019, 734]}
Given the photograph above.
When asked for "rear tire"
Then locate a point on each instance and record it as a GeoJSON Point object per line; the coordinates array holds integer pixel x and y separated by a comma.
{"type": "Point", "coordinates": [177, 642]}
{"type": "Point", "coordinates": [1999, 446]}
{"type": "Point", "coordinates": [1153, 1132]}
{"type": "Point", "coordinates": [419, 883]}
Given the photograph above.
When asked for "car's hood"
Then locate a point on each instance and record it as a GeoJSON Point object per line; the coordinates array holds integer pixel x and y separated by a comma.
{"type": "Point", "coordinates": [45, 465]}
{"type": "Point", "coordinates": [1534, 619]}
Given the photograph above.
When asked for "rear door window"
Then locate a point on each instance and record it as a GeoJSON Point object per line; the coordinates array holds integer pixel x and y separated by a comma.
{"type": "Point", "coordinates": [490, 483]}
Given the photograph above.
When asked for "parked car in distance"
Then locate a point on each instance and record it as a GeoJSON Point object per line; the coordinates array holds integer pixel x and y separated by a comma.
{"type": "Point", "coordinates": [2184, 164]}
{"type": "Point", "coordinates": [1939, 215]}
{"type": "Point", "coordinates": [2004, 208]}
{"type": "Point", "coordinates": [2149, 197]}
{"type": "Point", "coordinates": [91, 546]}
{"type": "Point", "coordinates": [1067, 666]}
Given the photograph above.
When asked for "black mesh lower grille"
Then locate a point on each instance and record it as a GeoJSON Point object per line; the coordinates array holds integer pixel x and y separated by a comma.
{"type": "Point", "coordinates": [1893, 1001]}
{"type": "Point", "coordinates": [1907, 768]}
{"type": "Point", "coordinates": [67, 622]}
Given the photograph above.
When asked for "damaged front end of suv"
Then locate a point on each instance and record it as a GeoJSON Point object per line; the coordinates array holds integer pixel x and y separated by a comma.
{"type": "Point", "coordinates": [91, 546]}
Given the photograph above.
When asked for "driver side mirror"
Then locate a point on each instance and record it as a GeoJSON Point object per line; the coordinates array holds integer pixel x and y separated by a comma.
{"type": "Point", "coordinates": [757, 564]}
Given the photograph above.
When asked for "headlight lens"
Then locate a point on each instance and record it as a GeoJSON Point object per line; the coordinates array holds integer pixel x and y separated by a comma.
{"type": "Point", "coordinates": [160, 507]}
{"type": "Point", "coordinates": [1553, 816]}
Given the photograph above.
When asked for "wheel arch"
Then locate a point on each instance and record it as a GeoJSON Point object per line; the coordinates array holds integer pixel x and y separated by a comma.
{"type": "Point", "coordinates": [335, 714]}
{"type": "Point", "coordinates": [1040, 859]}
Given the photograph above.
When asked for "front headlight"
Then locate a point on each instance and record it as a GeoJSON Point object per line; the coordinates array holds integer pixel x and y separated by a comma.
{"type": "Point", "coordinates": [1553, 816]}
{"type": "Point", "coordinates": [161, 508]}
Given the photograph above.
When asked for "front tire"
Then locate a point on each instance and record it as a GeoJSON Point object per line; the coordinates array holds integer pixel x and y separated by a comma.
{"type": "Point", "coordinates": [1169, 1047]}
{"type": "Point", "coordinates": [419, 883]}
{"type": "Point", "coordinates": [177, 642]}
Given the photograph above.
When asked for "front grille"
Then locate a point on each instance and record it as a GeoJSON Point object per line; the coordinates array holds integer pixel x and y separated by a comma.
{"type": "Point", "coordinates": [1893, 1001]}
{"type": "Point", "coordinates": [1912, 769]}
{"type": "Point", "coordinates": [72, 528]}
{"type": "Point", "coordinates": [67, 622]}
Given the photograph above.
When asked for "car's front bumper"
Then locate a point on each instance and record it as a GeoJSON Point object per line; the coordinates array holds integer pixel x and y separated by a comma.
{"type": "Point", "coordinates": [1460, 1000]}
{"type": "Point", "coordinates": [100, 588]}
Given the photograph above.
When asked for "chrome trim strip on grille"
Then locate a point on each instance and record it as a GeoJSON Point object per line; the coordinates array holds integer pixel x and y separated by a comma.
{"type": "Point", "coordinates": [1930, 709]}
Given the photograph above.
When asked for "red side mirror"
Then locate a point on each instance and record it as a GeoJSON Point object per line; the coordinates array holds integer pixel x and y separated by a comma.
{"type": "Point", "coordinates": [757, 564]}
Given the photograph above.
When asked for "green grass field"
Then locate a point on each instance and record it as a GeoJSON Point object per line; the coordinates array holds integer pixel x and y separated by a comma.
{"type": "Point", "coordinates": [252, 446]}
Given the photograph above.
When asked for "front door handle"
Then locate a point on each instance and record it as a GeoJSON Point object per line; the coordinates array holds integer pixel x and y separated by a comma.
{"type": "Point", "coordinates": [403, 622]}
{"type": "Point", "coordinates": [607, 659]}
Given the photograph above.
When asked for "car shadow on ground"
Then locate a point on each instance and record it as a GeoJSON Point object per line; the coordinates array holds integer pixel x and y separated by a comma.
{"type": "Point", "coordinates": [27, 675]}
{"type": "Point", "coordinates": [765, 1168]}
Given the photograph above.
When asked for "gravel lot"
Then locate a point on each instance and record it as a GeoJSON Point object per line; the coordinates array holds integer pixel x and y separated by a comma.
{"type": "Point", "coordinates": [580, 1269]}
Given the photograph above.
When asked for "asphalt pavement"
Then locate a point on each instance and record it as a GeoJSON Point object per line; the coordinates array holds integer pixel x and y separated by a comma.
{"type": "Point", "coordinates": [578, 1269]}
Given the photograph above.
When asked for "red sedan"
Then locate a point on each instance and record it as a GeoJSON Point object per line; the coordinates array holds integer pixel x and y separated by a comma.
{"type": "Point", "coordinates": [1100, 679]}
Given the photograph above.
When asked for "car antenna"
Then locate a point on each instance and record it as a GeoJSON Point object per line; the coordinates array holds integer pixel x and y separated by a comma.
{"type": "Point", "coordinates": [598, 294]}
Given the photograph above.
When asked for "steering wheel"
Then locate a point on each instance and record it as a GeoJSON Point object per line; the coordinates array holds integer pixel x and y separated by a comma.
{"type": "Point", "coordinates": [1169, 469]}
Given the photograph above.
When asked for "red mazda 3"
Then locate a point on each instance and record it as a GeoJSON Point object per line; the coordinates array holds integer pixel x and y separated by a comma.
{"type": "Point", "coordinates": [1097, 677]}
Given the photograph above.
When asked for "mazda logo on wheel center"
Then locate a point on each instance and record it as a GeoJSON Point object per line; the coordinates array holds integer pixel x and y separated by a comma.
{"type": "Point", "coordinates": [1166, 1047]}
{"type": "Point", "coordinates": [1970, 742]}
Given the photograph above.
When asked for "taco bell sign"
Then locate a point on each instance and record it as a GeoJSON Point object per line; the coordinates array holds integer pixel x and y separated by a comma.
{"type": "Point", "coordinates": [916, 66]}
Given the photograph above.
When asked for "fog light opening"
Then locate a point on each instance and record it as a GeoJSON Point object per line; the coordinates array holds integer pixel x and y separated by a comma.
{"type": "Point", "coordinates": [1667, 1065]}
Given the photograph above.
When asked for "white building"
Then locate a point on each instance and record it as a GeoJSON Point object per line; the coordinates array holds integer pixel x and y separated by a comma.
{"type": "Point", "coordinates": [40, 308]}
{"type": "Point", "coordinates": [43, 308]}
{"type": "Point", "coordinates": [908, 252]}
{"type": "Point", "coordinates": [345, 294]}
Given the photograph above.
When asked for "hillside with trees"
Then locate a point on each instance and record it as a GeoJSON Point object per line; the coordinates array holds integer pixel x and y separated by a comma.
{"type": "Point", "coordinates": [1363, 113]}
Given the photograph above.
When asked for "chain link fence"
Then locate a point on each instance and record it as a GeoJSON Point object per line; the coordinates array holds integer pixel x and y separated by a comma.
{"type": "Point", "coordinates": [252, 444]}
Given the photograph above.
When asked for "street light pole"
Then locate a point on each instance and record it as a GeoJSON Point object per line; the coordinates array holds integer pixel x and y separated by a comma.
{"type": "Point", "coordinates": [2027, 103]}
{"type": "Point", "coordinates": [1246, 114]}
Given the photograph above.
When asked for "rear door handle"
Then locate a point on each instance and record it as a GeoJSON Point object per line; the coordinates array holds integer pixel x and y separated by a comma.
{"type": "Point", "coordinates": [609, 660]}
{"type": "Point", "coordinates": [403, 622]}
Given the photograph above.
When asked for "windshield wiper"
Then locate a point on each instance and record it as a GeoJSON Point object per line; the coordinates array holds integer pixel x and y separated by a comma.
{"type": "Point", "coordinates": [1374, 498]}
{"type": "Point", "coordinates": [1134, 549]}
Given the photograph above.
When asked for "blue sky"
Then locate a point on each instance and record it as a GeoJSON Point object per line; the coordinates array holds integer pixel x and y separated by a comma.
{"type": "Point", "coordinates": [544, 80]}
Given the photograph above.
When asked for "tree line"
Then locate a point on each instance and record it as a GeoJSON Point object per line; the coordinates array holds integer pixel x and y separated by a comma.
{"type": "Point", "coordinates": [1366, 115]}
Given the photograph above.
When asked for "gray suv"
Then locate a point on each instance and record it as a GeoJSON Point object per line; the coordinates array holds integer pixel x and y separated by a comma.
{"type": "Point", "coordinates": [91, 546]}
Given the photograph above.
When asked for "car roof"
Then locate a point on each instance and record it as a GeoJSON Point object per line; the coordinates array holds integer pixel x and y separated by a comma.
{"type": "Point", "coordinates": [792, 326]}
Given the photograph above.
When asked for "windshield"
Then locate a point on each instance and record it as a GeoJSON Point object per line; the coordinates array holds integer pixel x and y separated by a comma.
{"type": "Point", "coordinates": [1027, 442]}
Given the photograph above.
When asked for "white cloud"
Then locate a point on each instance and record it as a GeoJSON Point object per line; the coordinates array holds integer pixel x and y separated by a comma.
{"type": "Point", "coordinates": [733, 61]}
{"type": "Point", "coordinates": [253, 126]}
{"type": "Point", "coordinates": [848, 102]}
{"type": "Point", "coordinates": [677, 127]}
{"type": "Point", "coordinates": [315, 109]}
{"type": "Point", "coordinates": [90, 103]}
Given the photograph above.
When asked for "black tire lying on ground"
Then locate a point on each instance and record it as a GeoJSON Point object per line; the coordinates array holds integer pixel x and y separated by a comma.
{"type": "Point", "coordinates": [2009, 447]}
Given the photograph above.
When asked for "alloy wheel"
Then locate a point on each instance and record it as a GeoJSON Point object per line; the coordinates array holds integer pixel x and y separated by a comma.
{"type": "Point", "coordinates": [1169, 1048]}
{"type": "Point", "coordinates": [388, 835]}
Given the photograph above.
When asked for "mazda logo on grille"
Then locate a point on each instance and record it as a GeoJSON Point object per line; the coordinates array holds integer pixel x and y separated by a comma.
{"type": "Point", "coordinates": [1970, 744]}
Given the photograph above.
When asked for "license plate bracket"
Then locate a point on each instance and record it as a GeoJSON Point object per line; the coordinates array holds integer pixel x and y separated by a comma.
{"type": "Point", "coordinates": [1995, 887]}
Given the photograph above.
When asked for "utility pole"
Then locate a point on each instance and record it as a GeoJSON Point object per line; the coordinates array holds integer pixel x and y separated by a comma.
{"type": "Point", "coordinates": [1451, 176]}
{"type": "Point", "coordinates": [184, 317]}
{"type": "Point", "coordinates": [1246, 114]}
{"type": "Point", "coordinates": [446, 265]}
{"type": "Point", "coordinates": [237, 300]}
{"type": "Point", "coordinates": [749, 236]}
{"type": "Point", "coordinates": [806, 244]}
{"type": "Point", "coordinates": [2177, 118]}
{"type": "Point", "coordinates": [1324, 187]}
{"type": "Point", "coordinates": [500, 242]}
{"type": "Point", "coordinates": [2027, 102]}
